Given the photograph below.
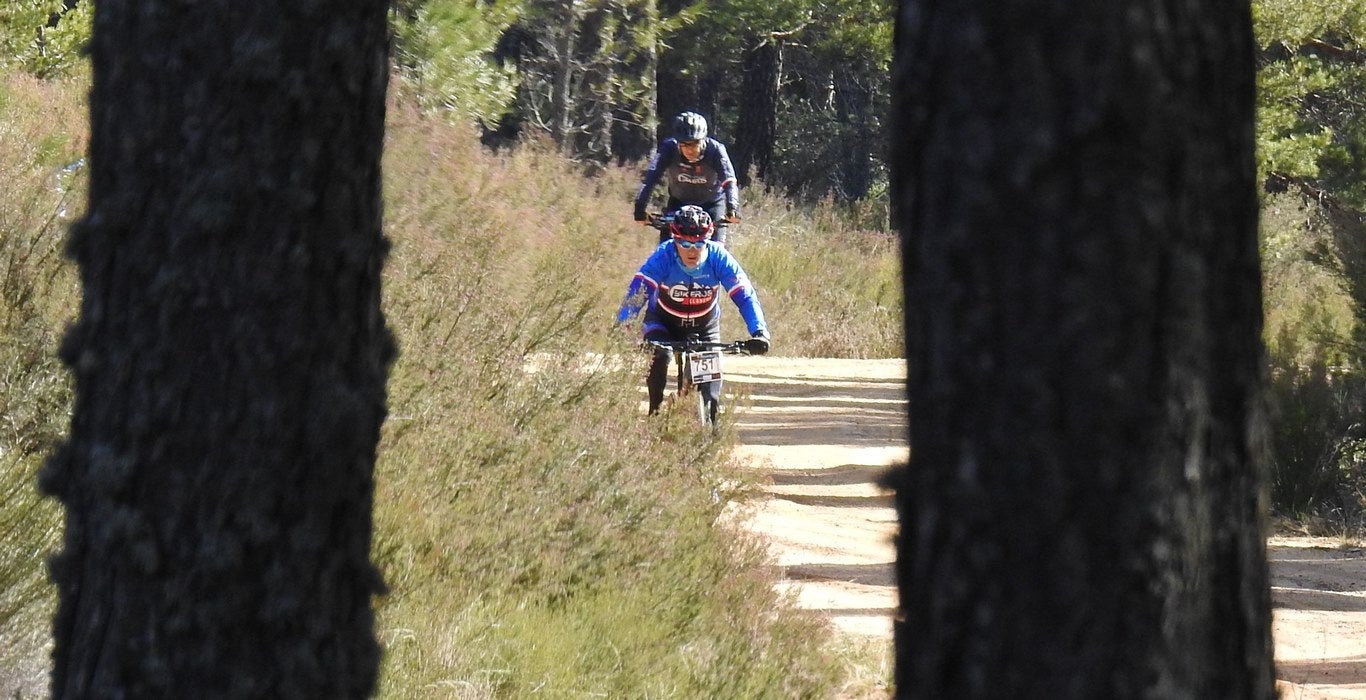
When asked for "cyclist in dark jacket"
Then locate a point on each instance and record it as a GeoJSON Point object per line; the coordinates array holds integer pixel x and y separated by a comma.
{"type": "Point", "coordinates": [680, 287]}
{"type": "Point", "coordinates": [697, 171]}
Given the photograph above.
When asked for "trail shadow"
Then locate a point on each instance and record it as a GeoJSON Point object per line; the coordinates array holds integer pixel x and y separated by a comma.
{"type": "Point", "coordinates": [1304, 578]}
{"type": "Point", "coordinates": [1302, 599]}
{"type": "Point", "coordinates": [799, 389]}
{"type": "Point", "coordinates": [866, 574]}
{"type": "Point", "coordinates": [1342, 671]}
{"type": "Point", "coordinates": [787, 380]}
{"type": "Point", "coordinates": [831, 476]}
{"type": "Point", "coordinates": [858, 612]}
{"type": "Point", "coordinates": [862, 433]}
{"type": "Point", "coordinates": [849, 405]}
{"type": "Point", "coordinates": [837, 501]}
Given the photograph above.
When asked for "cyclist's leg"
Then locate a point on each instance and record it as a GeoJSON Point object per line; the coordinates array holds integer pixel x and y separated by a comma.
{"type": "Point", "coordinates": [711, 396]}
{"type": "Point", "coordinates": [717, 211]}
{"type": "Point", "coordinates": [659, 369]}
{"type": "Point", "coordinates": [711, 391]}
{"type": "Point", "coordinates": [670, 207]}
{"type": "Point", "coordinates": [721, 232]}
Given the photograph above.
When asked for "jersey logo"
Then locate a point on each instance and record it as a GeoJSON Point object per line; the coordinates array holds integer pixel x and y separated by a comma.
{"type": "Point", "coordinates": [696, 295]}
{"type": "Point", "coordinates": [693, 179]}
{"type": "Point", "coordinates": [688, 301]}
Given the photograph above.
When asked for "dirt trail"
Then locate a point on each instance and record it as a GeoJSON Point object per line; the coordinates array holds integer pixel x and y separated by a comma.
{"type": "Point", "coordinates": [824, 430]}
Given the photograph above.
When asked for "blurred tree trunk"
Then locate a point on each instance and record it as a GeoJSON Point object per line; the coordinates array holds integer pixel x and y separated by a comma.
{"type": "Point", "coordinates": [230, 356]}
{"type": "Point", "coordinates": [593, 105]}
{"type": "Point", "coordinates": [565, 25]}
{"type": "Point", "coordinates": [634, 115]}
{"type": "Point", "coordinates": [854, 109]}
{"type": "Point", "coordinates": [676, 88]}
{"type": "Point", "coordinates": [1083, 515]}
{"type": "Point", "coordinates": [757, 122]}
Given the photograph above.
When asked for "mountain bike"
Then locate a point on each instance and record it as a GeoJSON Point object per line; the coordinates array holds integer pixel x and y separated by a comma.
{"type": "Point", "coordinates": [698, 361]}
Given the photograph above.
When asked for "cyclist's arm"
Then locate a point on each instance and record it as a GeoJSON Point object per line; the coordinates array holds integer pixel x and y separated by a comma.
{"type": "Point", "coordinates": [748, 303]}
{"type": "Point", "coordinates": [730, 187]}
{"type": "Point", "coordinates": [644, 286]}
{"type": "Point", "coordinates": [641, 293]}
{"type": "Point", "coordinates": [661, 160]}
{"type": "Point", "coordinates": [741, 291]}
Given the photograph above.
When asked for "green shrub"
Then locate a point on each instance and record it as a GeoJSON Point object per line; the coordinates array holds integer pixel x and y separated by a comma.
{"type": "Point", "coordinates": [1318, 442]}
{"type": "Point", "coordinates": [443, 49]}
{"type": "Point", "coordinates": [1315, 390]}
{"type": "Point", "coordinates": [32, 41]}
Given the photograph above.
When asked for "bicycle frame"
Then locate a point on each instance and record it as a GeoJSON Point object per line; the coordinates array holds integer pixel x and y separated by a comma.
{"type": "Point", "coordinates": [696, 359]}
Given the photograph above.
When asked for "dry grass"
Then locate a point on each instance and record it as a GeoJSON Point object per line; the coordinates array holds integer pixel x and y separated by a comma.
{"type": "Point", "coordinates": [537, 534]}
{"type": "Point", "coordinates": [40, 132]}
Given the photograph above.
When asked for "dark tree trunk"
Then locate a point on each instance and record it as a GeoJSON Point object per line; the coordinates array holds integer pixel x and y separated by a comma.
{"type": "Point", "coordinates": [230, 356]}
{"type": "Point", "coordinates": [854, 109]}
{"type": "Point", "coordinates": [1083, 512]}
{"type": "Point", "coordinates": [634, 115]}
{"type": "Point", "coordinates": [593, 103]}
{"type": "Point", "coordinates": [676, 88]}
{"type": "Point", "coordinates": [564, 29]}
{"type": "Point", "coordinates": [756, 128]}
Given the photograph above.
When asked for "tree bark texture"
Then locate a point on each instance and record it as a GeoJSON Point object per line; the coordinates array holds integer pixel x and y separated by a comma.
{"type": "Point", "coordinates": [757, 124]}
{"type": "Point", "coordinates": [1083, 512]}
{"type": "Point", "coordinates": [230, 356]}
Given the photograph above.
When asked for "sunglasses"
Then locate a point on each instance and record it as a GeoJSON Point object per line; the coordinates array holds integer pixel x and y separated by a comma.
{"type": "Point", "coordinates": [690, 244]}
{"type": "Point", "coordinates": [690, 144]}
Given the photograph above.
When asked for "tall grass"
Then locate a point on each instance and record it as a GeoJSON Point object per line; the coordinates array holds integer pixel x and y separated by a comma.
{"type": "Point", "coordinates": [572, 548]}
{"type": "Point", "coordinates": [40, 132]}
{"type": "Point", "coordinates": [537, 533]}
{"type": "Point", "coordinates": [829, 287]}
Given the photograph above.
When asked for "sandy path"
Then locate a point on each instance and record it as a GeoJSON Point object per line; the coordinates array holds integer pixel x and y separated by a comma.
{"type": "Point", "coordinates": [824, 430]}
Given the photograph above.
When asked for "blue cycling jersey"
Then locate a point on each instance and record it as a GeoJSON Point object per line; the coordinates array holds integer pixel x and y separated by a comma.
{"type": "Point", "coordinates": [675, 297]}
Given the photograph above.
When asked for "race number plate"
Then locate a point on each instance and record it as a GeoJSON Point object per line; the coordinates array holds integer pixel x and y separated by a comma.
{"type": "Point", "coordinates": [706, 366]}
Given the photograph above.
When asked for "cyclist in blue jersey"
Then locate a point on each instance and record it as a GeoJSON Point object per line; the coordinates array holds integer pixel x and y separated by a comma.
{"type": "Point", "coordinates": [698, 171]}
{"type": "Point", "coordinates": [679, 287]}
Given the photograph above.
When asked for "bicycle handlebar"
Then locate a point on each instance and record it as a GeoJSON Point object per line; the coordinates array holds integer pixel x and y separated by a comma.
{"type": "Point", "coordinates": [735, 347]}
{"type": "Point", "coordinates": [661, 222]}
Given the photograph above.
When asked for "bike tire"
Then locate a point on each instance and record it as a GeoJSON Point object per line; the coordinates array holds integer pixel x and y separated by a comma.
{"type": "Point", "coordinates": [689, 391]}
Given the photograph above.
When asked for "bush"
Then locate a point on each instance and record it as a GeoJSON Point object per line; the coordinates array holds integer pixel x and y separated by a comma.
{"type": "Point", "coordinates": [1318, 445]}
{"type": "Point", "coordinates": [1315, 390]}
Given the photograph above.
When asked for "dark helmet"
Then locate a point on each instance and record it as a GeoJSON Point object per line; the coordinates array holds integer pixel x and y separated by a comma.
{"type": "Point", "coordinates": [690, 126]}
{"type": "Point", "coordinates": [691, 223]}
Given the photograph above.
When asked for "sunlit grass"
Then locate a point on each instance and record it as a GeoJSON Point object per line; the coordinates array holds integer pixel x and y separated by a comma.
{"type": "Point", "coordinates": [537, 533]}
{"type": "Point", "coordinates": [40, 132]}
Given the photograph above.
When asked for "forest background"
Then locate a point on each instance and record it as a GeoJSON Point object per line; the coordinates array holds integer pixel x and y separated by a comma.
{"type": "Point", "coordinates": [517, 131]}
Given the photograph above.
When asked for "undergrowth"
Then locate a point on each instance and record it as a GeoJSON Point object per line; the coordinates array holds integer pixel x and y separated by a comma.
{"type": "Point", "coordinates": [538, 535]}
{"type": "Point", "coordinates": [40, 135]}
{"type": "Point", "coordinates": [1316, 388]}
